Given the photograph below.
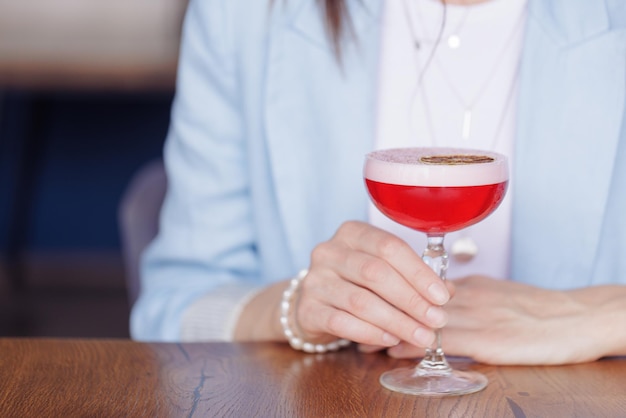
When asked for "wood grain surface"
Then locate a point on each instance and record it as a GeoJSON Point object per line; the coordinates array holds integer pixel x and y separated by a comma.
{"type": "Point", "coordinates": [120, 378]}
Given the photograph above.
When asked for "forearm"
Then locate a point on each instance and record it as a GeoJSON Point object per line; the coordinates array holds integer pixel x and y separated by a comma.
{"type": "Point", "coordinates": [260, 317]}
{"type": "Point", "coordinates": [605, 324]}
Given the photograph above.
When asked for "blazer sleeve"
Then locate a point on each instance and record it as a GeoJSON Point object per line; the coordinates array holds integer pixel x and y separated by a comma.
{"type": "Point", "coordinates": [202, 266]}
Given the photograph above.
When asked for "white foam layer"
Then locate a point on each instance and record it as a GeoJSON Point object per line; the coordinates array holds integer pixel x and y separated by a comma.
{"type": "Point", "coordinates": [403, 166]}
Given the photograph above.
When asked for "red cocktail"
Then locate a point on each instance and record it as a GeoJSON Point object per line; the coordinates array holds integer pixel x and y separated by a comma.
{"type": "Point", "coordinates": [435, 191]}
{"type": "Point", "coordinates": [435, 197]}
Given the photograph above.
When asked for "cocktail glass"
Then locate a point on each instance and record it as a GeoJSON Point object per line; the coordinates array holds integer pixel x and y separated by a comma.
{"type": "Point", "coordinates": [435, 191]}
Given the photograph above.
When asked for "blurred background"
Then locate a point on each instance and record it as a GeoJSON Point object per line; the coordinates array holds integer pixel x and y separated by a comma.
{"type": "Point", "coordinates": [85, 94]}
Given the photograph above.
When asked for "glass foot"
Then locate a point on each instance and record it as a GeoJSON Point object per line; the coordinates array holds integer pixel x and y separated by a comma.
{"type": "Point", "coordinates": [414, 381]}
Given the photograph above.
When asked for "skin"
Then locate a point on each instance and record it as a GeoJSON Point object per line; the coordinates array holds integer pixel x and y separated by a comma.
{"type": "Point", "coordinates": [492, 321]}
{"type": "Point", "coordinates": [504, 322]}
{"type": "Point", "coordinates": [364, 284]}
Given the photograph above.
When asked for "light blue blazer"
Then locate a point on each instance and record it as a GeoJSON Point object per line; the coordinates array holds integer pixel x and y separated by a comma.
{"type": "Point", "coordinates": [268, 134]}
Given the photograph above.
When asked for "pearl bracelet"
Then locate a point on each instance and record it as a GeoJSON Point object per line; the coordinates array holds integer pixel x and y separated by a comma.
{"type": "Point", "coordinates": [296, 342]}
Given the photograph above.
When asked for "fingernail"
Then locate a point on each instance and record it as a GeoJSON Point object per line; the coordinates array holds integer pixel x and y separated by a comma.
{"type": "Point", "coordinates": [423, 337]}
{"type": "Point", "coordinates": [390, 340]}
{"type": "Point", "coordinates": [437, 317]}
{"type": "Point", "coordinates": [438, 293]}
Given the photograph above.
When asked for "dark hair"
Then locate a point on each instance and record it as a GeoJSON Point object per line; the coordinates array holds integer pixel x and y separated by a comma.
{"type": "Point", "coordinates": [336, 20]}
{"type": "Point", "coordinates": [334, 13]}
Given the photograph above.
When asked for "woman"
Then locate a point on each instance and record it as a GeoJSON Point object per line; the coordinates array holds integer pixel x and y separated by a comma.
{"type": "Point", "coordinates": [275, 109]}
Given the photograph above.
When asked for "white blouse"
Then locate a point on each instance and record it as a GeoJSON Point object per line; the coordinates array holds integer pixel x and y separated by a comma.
{"type": "Point", "coordinates": [466, 98]}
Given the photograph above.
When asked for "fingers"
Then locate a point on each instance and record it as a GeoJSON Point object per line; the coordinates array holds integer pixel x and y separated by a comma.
{"type": "Point", "coordinates": [340, 323]}
{"type": "Point", "coordinates": [369, 286]}
{"type": "Point", "coordinates": [381, 262]}
{"type": "Point", "coordinates": [370, 307]}
{"type": "Point", "coordinates": [451, 288]}
{"type": "Point", "coordinates": [366, 348]}
{"type": "Point", "coordinates": [356, 313]}
{"type": "Point", "coordinates": [380, 279]}
{"type": "Point", "coordinates": [399, 255]}
{"type": "Point", "coordinates": [454, 343]}
{"type": "Point", "coordinates": [405, 350]}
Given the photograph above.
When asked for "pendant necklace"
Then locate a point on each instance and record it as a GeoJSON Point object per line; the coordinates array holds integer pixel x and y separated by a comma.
{"type": "Point", "coordinates": [463, 249]}
{"type": "Point", "coordinates": [466, 105]}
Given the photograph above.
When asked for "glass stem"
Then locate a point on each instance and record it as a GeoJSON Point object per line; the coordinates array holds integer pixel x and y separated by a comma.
{"type": "Point", "coordinates": [436, 257]}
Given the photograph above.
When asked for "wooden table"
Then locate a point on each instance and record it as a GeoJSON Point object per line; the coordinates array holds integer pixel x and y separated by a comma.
{"type": "Point", "coordinates": [115, 378]}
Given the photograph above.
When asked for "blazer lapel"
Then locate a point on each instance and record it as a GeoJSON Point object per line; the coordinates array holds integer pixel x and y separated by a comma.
{"type": "Point", "coordinates": [569, 123]}
{"type": "Point", "coordinates": [319, 120]}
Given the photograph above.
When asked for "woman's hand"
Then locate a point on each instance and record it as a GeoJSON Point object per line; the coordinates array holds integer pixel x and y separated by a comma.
{"type": "Point", "coordinates": [503, 322]}
{"type": "Point", "coordinates": [368, 286]}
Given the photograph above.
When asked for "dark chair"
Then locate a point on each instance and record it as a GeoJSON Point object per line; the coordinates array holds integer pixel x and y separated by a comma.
{"type": "Point", "coordinates": [139, 219]}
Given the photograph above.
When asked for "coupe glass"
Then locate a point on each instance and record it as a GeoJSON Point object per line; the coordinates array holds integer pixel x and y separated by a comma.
{"type": "Point", "coordinates": [435, 191]}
